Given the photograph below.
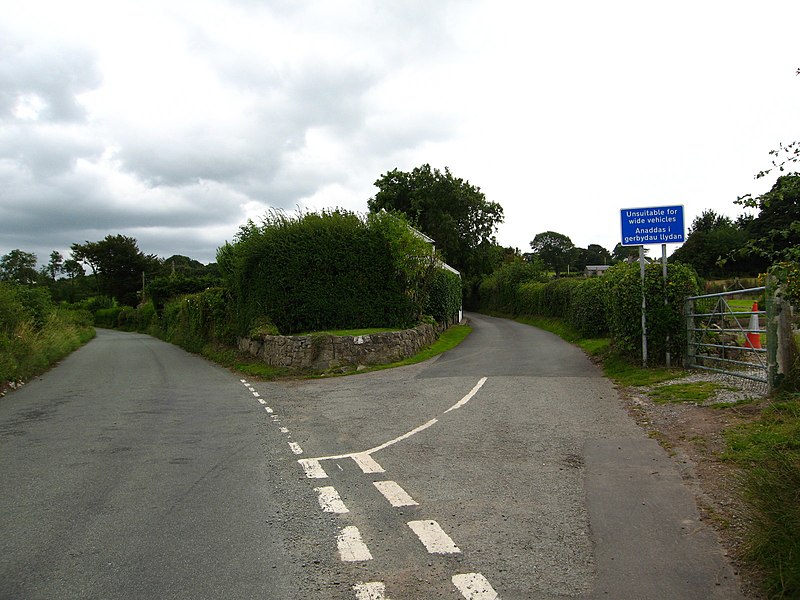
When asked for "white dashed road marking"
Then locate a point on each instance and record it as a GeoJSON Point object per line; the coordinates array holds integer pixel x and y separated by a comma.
{"type": "Point", "coordinates": [396, 495]}
{"type": "Point", "coordinates": [312, 468]}
{"type": "Point", "coordinates": [433, 537]}
{"type": "Point", "coordinates": [367, 464]}
{"type": "Point", "coordinates": [329, 500]}
{"type": "Point", "coordinates": [474, 586]}
{"type": "Point", "coordinates": [351, 547]}
{"type": "Point", "coordinates": [370, 591]}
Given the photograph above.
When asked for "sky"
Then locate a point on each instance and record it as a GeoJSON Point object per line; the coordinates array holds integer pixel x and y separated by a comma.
{"type": "Point", "coordinates": [175, 121]}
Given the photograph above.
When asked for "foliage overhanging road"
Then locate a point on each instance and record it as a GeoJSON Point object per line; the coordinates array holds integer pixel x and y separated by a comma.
{"type": "Point", "coordinates": [135, 470]}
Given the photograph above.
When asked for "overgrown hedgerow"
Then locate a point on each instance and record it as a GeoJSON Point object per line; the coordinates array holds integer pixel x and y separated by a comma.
{"type": "Point", "coordinates": [329, 270]}
{"type": "Point", "coordinates": [34, 333]}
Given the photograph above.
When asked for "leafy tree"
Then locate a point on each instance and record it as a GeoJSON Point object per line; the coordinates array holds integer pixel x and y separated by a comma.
{"type": "Point", "coordinates": [118, 265]}
{"type": "Point", "coordinates": [711, 237]}
{"type": "Point", "coordinates": [594, 254]}
{"type": "Point", "coordinates": [455, 213]}
{"type": "Point", "coordinates": [73, 269]}
{"type": "Point", "coordinates": [187, 267]}
{"type": "Point", "coordinates": [774, 234]}
{"type": "Point", "coordinates": [620, 253]}
{"type": "Point", "coordinates": [18, 267]}
{"type": "Point", "coordinates": [555, 249]}
{"type": "Point", "coordinates": [55, 266]}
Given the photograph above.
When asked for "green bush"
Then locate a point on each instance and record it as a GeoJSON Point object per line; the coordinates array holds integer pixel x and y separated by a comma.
{"type": "Point", "coordinates": [196, 320]}
{"type": "Point", "coordinates": [107, 317]}
{"type": "Point", "coordinates": [444, 300]}
{"type": "Point", "coordinates": [162, 289]}
{"type": "Point", "coordinates": [587, 311]}
{"type": "Point", "coordinates": [623, 296]}
{"type": "Point", "coordinates": [499, 292]}
{"type": "Point", "coordinates": [329, 270]}
{"type": "Point", "coordinates": [34, 334]}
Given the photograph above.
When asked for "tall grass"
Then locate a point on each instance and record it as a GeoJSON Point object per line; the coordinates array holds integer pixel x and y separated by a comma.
{"type": "Point", "coordinates": [34, 334]}
{"type": "Point", "coordinates": [768, 450]}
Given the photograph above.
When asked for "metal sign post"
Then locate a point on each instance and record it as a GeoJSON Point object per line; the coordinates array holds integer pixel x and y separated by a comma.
{"type": "Point", "coordinates": [644, 309]}
{"type": "Point", "coordinates": [654, 225]}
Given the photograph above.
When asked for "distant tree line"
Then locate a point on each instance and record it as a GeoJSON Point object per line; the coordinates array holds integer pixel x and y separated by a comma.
{"type": "Point", "coordinates": [117, 269]}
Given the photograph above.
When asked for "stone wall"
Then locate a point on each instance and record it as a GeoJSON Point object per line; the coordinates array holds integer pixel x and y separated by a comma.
{"type": "Point", "coordinates": [322, 352]}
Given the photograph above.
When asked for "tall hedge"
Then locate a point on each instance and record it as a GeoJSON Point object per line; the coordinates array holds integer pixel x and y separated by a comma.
{"type": "Point", "coordinates": [623, 297]}
{"type": "Point", "coordinates": [499, 291]}
{"type": "Point", "coordinates": [444, 299]}
{"type": "Point", "coordinates": [328, 270]}
{"type": "Point", "coordinates": [194, 320]}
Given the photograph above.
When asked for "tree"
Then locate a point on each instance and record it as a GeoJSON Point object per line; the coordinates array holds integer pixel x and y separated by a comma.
{"type": "Point", "coordinates": [594, 254]}
{"type": "Point", "coordinates": [54, 266]}
{"type": "Point", "coordinates": [620, 252]}
{"type": "Point", "coordinates": [18, 267]}
{"type": "Point", "coordinates": [455, 213]}
{"type": "Point", "coordinates": [555, 249]}
{"type": "Point", "coordinates": [711, 237]}
{"type": "Point", "coordinates": [774, 235]}
{"type": "Point", "coordinates": [118, 265]}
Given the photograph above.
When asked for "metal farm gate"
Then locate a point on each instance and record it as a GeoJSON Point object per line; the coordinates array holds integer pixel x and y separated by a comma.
{"type": "Point", "coordinates": [725, 340]}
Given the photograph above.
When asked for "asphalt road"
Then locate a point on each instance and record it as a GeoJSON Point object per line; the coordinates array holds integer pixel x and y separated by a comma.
{"type": "Point", "coordinates": [504, 468]}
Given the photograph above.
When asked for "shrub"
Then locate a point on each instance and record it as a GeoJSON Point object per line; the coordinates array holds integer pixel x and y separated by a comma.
{"type": "Point", "coordinates": [107, 317]}
{"type": "Point", "coordinates": [444, 300]}
{"type": "Point", "coordinates": [588, 308]}
{"type": "Point", "coordinates": [196, 320]}
{"type": "Point", "coordinates": [500, 291]}
{"type": "Point", "coordinates": [624, 308]}
{"type": "Point", "coordinates": [34, 334]}
{"type": "Point", "coordinates": [329, 270]}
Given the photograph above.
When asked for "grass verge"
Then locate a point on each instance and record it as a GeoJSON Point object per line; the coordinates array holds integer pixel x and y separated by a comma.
{"type": "Point", "coordinates": [768, 451]}
{"type": "Point", "coordinates": [31, 350]}
{"type": "Point", "coordinates": [349, 332]}
{"type": "Point", "coordinates": [242, 362]}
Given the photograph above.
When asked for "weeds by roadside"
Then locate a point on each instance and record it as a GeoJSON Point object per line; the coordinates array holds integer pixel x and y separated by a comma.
{"type": "Point", "coordinates": [768, 451]}
{"type": "Point", "coordinates": [34, 334]}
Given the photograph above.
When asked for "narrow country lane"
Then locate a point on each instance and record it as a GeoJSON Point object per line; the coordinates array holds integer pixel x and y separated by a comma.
{"type": "Point", "coordinates": [504, 468]}
{"type": "Point", "coordinates": [136, 470]}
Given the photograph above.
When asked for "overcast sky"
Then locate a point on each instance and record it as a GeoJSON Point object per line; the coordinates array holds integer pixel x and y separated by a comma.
{"type": "Point", "coordinates": [174, 121]}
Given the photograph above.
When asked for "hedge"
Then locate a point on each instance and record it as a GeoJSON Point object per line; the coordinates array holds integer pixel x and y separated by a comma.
{"type": "Point", "coordinates": [329, 270]}
{"type": "Point", "coordinates": [623, 298]}
{"type": "Point", "coordinates": [444, 301]}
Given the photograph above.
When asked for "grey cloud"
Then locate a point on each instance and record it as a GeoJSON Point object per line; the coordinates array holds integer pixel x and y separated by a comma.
{"type": "Point", "coordinates": [55, 75]}
{"type": "Point", "coordinates": [46, 149]}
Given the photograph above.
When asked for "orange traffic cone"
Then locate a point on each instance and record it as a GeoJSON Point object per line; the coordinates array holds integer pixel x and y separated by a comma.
{"type": "Point", "coordinates": [753, 337]}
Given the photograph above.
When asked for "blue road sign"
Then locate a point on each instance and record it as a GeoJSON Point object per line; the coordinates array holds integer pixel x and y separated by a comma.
{"type": "Point", "coordinates": [654, 225]}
